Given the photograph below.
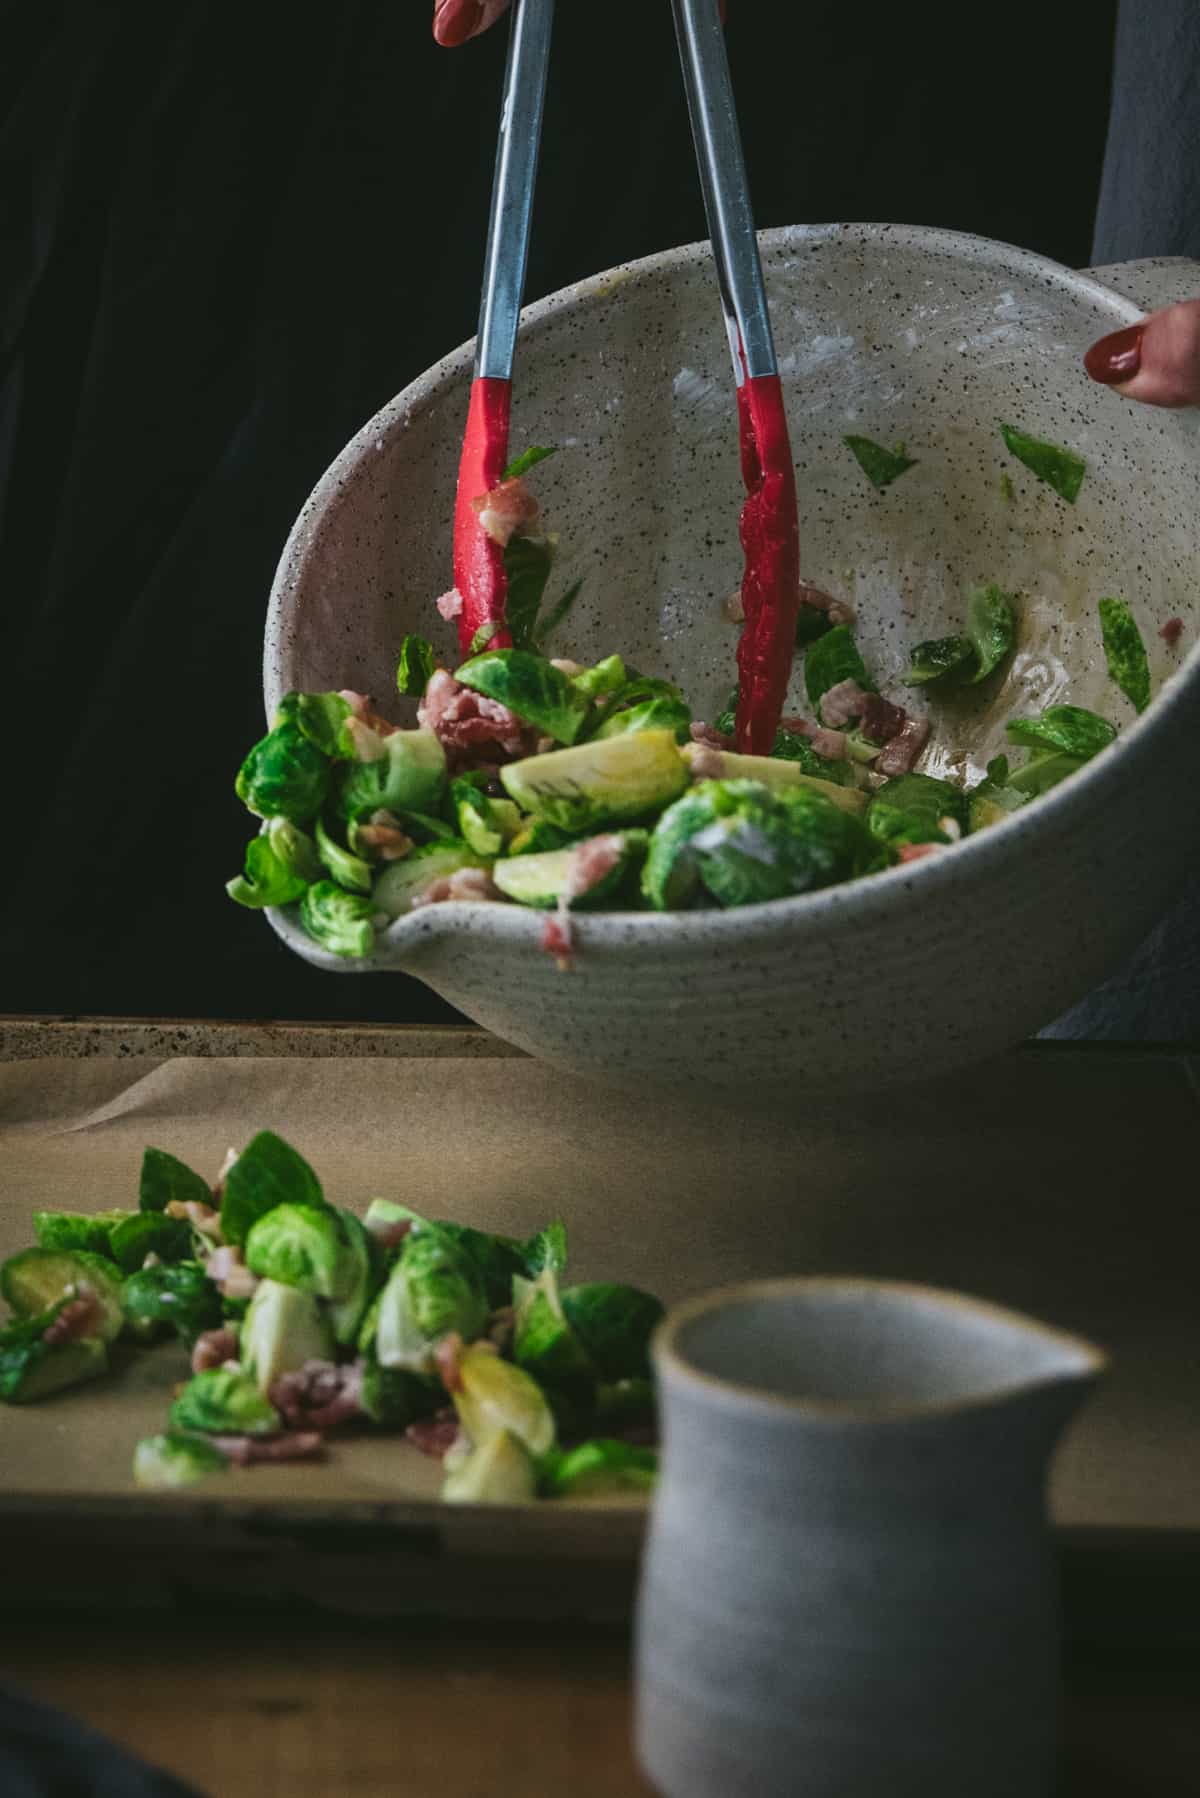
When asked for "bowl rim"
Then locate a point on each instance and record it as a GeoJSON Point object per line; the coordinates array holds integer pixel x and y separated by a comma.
{"type": "Point", "coordinates": [973, 859]}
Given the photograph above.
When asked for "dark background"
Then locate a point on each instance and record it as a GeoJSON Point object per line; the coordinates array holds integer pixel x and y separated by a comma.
{"type": "Point", "coordinates": [230, 235]}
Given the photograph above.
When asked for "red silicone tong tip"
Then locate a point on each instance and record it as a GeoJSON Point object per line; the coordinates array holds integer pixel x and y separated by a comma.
{"type": "Point", "coordinates": [478, 561]}
{"type": "Point", "coordinates": [771, 577]}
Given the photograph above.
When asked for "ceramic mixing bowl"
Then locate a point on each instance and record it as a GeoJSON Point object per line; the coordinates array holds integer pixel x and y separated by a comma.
{"type": "Point", "coordinates": [903, 335]}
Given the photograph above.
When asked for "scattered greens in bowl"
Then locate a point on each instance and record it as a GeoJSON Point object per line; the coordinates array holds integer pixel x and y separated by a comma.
{"type": "Point", "coordinates": [302, 1319]}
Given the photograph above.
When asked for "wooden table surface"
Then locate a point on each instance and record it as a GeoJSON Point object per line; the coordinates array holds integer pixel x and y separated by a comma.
{"type": "Point", "coordinates": [309, 1706]}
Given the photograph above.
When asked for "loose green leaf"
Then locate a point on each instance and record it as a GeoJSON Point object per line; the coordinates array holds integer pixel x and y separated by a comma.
{"type": "Point", "coordinates": [149, 1233]}
{"type": "Point", "coordinates": [483, 636]}
{"type": "Point", "coordinates": [348, 870]}
{"type": "Point", "coordinates": [1125, 652]}
{"type": "Point", "coordinates": [1069, 728]}
{"type": "Point", "coordinates": [415, 666]}
{"type": "Point", "coordinates": [605, 677]}
{"type": "Point", "coordinates": [997, 770]}
{"type": "Point", "coordinates": [1041, 772]}
{"type": "Point", "coordinates": [834, 658]}
{"type": "Point", "coordinates": [320, 716]}
{"type": "Point", "coordinates": [546, 1249]}
{"type": "Point", "coordinates": [531, 687]}
{"type": "Point", "coordinates": [597, 1468]}
{"type": "Point", "coordinates": [811, 622]}
{"type": "Point", "coordinates": [265, 880]}
{"type": "Point", "coordinates": [164, 1178]}
{"type": "Point", "coordinates": [268, 1172]}
{"type": "Point", "coordinates": [1060, 468]}
{"type": "Point", "coordinates": [940, 657]}
{"type": "Point", "coordinates": [992, 629]}
{"type": "Point", "coordinates": [527, 565]}
{"type": "Point", "coordinates": [529, 458]}
{"type": "Point", "coordinates": [557, 614]}
{"type": "Point", "coordinates": [790, 746]}
{"type": "Point", "coordinates": [881, 466]}
{"type": "Point", "coordinates": [180, 1297]}
{"type": "Point", "coordinates": [410, 775]}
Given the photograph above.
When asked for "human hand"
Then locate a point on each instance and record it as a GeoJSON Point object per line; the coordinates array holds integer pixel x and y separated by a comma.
{"type": "Point", "coordinates": [454, 21]}
{"type": "Point", "coordinates": [1157, 361]}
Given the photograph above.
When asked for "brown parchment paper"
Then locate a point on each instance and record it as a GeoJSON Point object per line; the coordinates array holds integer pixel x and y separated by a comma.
{"type": "Point", "coordinates": [1053, 1182]}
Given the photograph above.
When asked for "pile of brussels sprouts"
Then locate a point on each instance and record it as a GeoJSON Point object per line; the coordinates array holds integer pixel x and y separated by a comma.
{"type": "Point", "coordinates": [683, 824]}
{"type": "Point", "coordinates": [421, 1320]}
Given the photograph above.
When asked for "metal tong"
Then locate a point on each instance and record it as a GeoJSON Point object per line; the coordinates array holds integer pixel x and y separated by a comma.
{"type": "Point", "coordinates": [769, 530]}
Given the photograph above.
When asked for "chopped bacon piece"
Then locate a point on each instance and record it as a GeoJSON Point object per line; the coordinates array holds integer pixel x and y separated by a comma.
{"type": "Point", "coordinates": [705, 763]}
{"type": "Point", "coordinates": [1171, 631]}
{"type": "Point", "coordinates": [389, 1235]}
{"type": "Point", "coordinates": [226, 1267]}
{"type": "Point", "coordinates": [213, 1348]}
{"type": "Point", "coordinates": [318, 1395]}
{"type": "Point", "coordinates": [464, 883]}
{"type": "Point", "coordinates": [83, 1316]}
{"type": "Point", "coordinates": [557, 939]}
{"type": "Point", "coordinates": [506, 511]}
{"type": "Point", "coordinates": [898, 756]}
{"type": "Point", "coordinates": [710, 738]}
{"type": "Point", "coordinates": [450, 604]}
{"type": "Point", "coordinates": [915, 852]}
{"type": "Point", "coordinates": [448, 1356]}
{"type": "Point", "coordinates": [362, 713]}
{"type": "Point", "coordinates": [291, 1446]}
{"type": "Point", "coordinates": [842, 703]}
{"type": "Point", "coordinates": [435, 1435]}
{"type": "Point", "coordinates": [591, 862]}
{"type": "Point", "coordinates": [201, 1217]}
{"type": "Point", "coordinates": [880, 720]}
{"type": "Point", "coordinates": [384, 834]}
{"type": "Point", "coordinates": [829, 743]}
{"type": "Point", "coordinates": [462, 720]}
{"type": "Point", "coordinates": [733, 606]}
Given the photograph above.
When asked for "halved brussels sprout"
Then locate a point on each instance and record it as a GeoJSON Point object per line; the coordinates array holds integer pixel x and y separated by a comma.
{"type": "Point", "coordinates": [175, 1459]}
{"type": "Point", "coordinates": [36, 1279]}
{"type": "Point", "coordinates": [500, 1471]}
{"type": "Point", "coordinates": [282, 1329]}
{"type": "Point", "coordinates": [267, 1173]}
{"type": "Point", "coordinates": [284, 775]}
{"type": "Point", "coordinates": [221, 1402]}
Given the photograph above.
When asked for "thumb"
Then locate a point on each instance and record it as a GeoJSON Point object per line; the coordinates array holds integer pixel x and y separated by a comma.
{"type": "Point", "coordinates": [454, 21]}
{"type": "Point", "coordinates": [1157, 361]}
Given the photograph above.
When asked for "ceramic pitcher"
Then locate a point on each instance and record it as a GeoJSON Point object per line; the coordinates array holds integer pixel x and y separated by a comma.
{"type": "Point", "coordinates": [849, 1588]}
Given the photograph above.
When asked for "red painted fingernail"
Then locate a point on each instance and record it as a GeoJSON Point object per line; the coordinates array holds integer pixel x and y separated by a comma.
{"type": "Point", "coordinates": [457, 20]}
{"type": "Point", "coordinates": [1116, 358]}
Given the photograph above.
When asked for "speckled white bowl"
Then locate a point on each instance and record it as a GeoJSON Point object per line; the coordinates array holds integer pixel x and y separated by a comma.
{"type": "Point", "coordinates": [902, 334]}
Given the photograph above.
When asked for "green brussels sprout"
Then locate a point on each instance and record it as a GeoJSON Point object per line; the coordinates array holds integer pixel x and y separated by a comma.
{"type": "Point", "coordinates": [71, 1230]}
{"type": "Point", "coordinates": [1060, 468]}
{"type": "Point", "coordinates": [500, 1471]}
{"type": "Point", "coordinates": [149, 1233]}
{"type": "Point", "coordinates": [302, 1246]}
{"type": "Point", "coordinates": [409, 776]}
{"type": "Point", "coordinates": [496, 1259]}
{"type": "Point", "coordinates": [33, 1369]}
{"type": "Point", "coordinates": [175, 1459]}
{"type": "Point", "coordinates": [653, 714]}
{"type": "Point", "coordinates": [348, 870]}
{"type": "Point", "coordinates": [495, 1396]}
{"type": "Point", "coordinates": [756, 843]}
{"type": "Point", "coordinates": [1125, 652]}
{"type": "Point", "coordinates": [392, 1397]}
{"type": "Point", "coordinates": [434, 1288]}
{"type": "Point", "coordinates": [594, 784]}
{"type": "Point", "coordinates": [614, 1324]}
{"type": "Point", "coordinates": [284, 776]}
{"type": "Point", "coordinates": [181, 1297]}
{"type": "Point", "coordinates": [1041, 772]}
{"type": "Point", "coordinates": [321, 717]}
{"type": "Point", "coordinates": [166, 1180]}
{"type": "Point", "coordinates": [486, 824]}
{"type": "Point", "coordinates": [265, 879]}
{"type": "Point", "coordinates": [546, 1248]}
{"type": "Point", "coordinates": [415, 667]}
{"type": "Point", "coordinates": [545, 1343]}
{"type": "Point", "coordinates": [604, 677]}
{"type": "Point", "coordinates": [537, 836]}
{"type": "Point", "coordinates": [811, 622]}
{"type": "Point", "coordinates": [36, 1279]}
{"type": "Point", "coordinates": [911, 808]}
{"type": "Point", "coordinates": [598, 1469]}
{"type": "Point", "coordinates": [222, 1401]}
{"type": "Point", "coordinates": [881, 466]}
{"type": "Point", "coordinates": [283, 1328]}
{"type": "Point", "coordinates": [832, 659]}
{"type": "Point", "coordinates": [267, 1173]}
{"type": "Point", "coordinates": [545, 880]}
{"type": "Point", "coordinates": [341, 922]}
{"type": "Point", "coordinates": [529, 686]}
{"type": "Point", "coordinates": [1068, 728]}
{"type": "Point", "coordinates": [360, 1276]}
{"type": "Point", "coordinates": [402, 882]}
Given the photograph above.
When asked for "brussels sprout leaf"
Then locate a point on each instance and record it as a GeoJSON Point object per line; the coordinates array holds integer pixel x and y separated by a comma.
{"type": "Point", "coordinates": [529, 458]}
{"type": "Point", "coordinates": [992, 629]}
{"type": "Point", "coordinates": [320, 716]}
{"type": "Point", "coordinates": [341, 922]}
{"type": "Point", "coordinates": [1060, 468]}
{"type": "Point", "coordinates": [1125, 652]}
{"type": "Point", "coordinates": [834, 658]}
{"type": "Point", "coordinates": [265, 880]}
{"type": "Point", "coordinates": [1069, 728]}
{"type": "Point", "coordinates": [285, 775]}
{"type": "Point", "coordinates": [415, 666]}
{"type": "Point", "coordinates": [164, 1178]}
{"type": "Point", "coordinates": [881, 466]}
{"type": "Point", "coordinates": [267, 1173]}
{"type": "Point", "coordinates": [939, 657]}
